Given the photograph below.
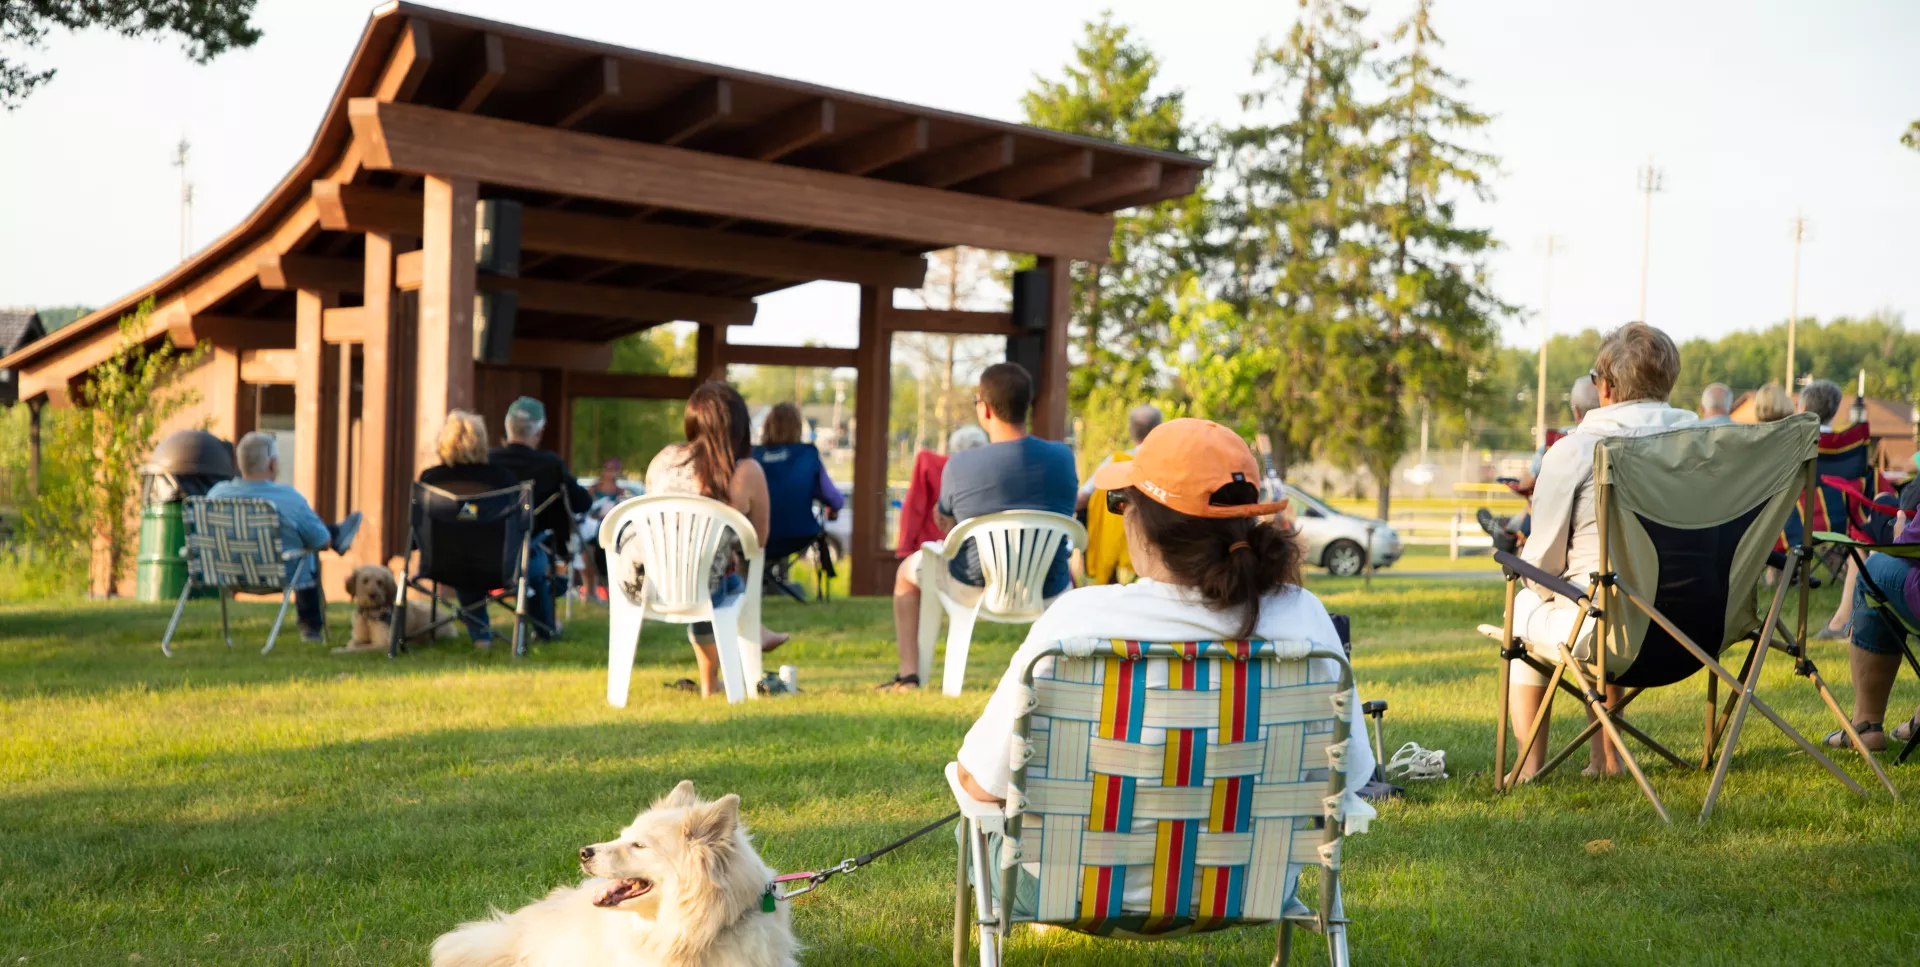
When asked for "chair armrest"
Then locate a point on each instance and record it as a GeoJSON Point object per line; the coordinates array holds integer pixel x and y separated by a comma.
{"type": "Point", "coordinates": [1909, 551]}
{"type": "Point", "coordinates": [970, 807]}
{"type": "Point", "coordinates": [1552, 582]}
{"type": "Point", "coordinates": [296, 555]}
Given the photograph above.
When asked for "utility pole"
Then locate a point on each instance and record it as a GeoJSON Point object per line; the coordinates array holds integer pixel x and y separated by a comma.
{"type": "Point", "coordinates": [1651, 180]}
{"type": "Point", "coordinates": [1793, 304]}
{"type": "Point", "coordinates": [186, 196]}
{"type": "Point", "coordinates": [1552, 246]}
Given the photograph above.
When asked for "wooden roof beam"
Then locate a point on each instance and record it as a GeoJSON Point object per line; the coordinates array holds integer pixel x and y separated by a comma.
{"type": "Point", "coordinates": [484, 70]}
{"type": "Point", "coordinates": [1049, 173]}
{"type": "Point", "coordinates": [233, 332]}
{"type": "Point", "coordinates": [704, 105]}
{"type": "Point", "coordinates": [363, 208]}
{"type": "Point", "coordinates": [1174, 183]}
{"type": "Point", "coordinates": [608, 301]}
{"type": "Point", "coordinates": [1136, 178]}
{"type": "Point", "coordinates": [817, 357]}
{"type": "Point", "coordinates": [784, 133]}
{"type": "Point", "coordinates": [876, 149]}
{"type": "Point", "coordinates": [407, 66]}
{"type": "Point", "coordinates": [966, 162]}
{"type": "Point", "coordinates": [288, 270]}
{"type": "Point", "coordinates": [593, 85]}
{"type": "Point", "coordinates": [412, 138]}
{"type": "Point", "coordinates": [955, 322]}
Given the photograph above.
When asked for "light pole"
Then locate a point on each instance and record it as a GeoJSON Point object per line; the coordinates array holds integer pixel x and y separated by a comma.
{"type": "Point", "coordinates": [1651, 180]}
{"type": "Point", "coordinates": [1551, 246]}
{"type": "Point", "coordinates": [1793, 304]}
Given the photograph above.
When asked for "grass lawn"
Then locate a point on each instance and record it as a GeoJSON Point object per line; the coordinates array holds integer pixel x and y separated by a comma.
{"type": "Point", "coordinates": [227, 808]}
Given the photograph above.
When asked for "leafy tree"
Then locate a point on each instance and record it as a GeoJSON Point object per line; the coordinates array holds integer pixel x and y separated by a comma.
{"type": "Point", "coordinates": [207, 28]}
{"type": "Point", "coordinates": [1912, 138]}
{"type": "Point", "coordinates": [86, 503]}
{"type": "Point", "coordinates": [1433, 316]}
{"type": "Point", "coordinates": [1123, 308]}
{"type": "Point", "coordinates": [632, 431]}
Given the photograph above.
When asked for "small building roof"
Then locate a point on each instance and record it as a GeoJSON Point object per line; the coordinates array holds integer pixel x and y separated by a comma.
{"type": "Point", "coordinates": [18, 327]}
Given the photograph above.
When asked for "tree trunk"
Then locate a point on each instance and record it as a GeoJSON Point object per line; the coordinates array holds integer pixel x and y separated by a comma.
{"type": "Point", "coordinates": [1383, 497]}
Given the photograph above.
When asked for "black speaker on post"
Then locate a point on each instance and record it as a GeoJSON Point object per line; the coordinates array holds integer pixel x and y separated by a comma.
{"type": "Point", "coordinates": [496, 251]}
{"type": "Point", "coordinates": [1030, 292]}
{"type": "Point", "coordinates": [1026, 351]}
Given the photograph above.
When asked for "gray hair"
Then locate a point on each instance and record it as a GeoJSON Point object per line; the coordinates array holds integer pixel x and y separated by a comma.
{"type": "Point", "coordinates": [968, 437]}
{"type": "Point", "coordinates": [1821, 398]}
{"type": "Point", "coordinates": [255, 452]}
{"type": "Point", "coordinates": [522, 427]}
{"type": "Point", "coordinates": [1716, 399]}
{"type": "Point", "coordinates": [1584, 397]}
{"type": "Point", "coordinates": [1141, 420]}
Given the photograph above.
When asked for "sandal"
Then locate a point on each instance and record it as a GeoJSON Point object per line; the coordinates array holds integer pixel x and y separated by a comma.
{"type": "Point", "coordinates": [684, 685]}
{"type": "Point", "coordinates": [1905, 730]}
{"type": "Point", "coordinates": [900, 683]}
{"type": "Point", "coordinates": [1414, 762]}
{"type": "Point", "coordinates": [1837, 739]}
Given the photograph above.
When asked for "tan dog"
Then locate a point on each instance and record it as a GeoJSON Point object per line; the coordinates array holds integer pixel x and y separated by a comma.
{"type": "Point", "coordinates": [372, 590]}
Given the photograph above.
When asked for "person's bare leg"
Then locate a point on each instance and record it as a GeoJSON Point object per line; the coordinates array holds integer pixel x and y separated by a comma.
{"type": "Point", "coordinates": [1845, 613]}
{"type": "Point", "coordinates": [906, 618]}
{"type": "Point", "coordinates": [708, 658]}
{"type": "Point", "coordinates": [771, 639]}
{"type": "Point", "coordinates": [1602, 758]}
{"type": "Point", "coordinates": [1523, 703]}
{"type": "Point", "coordinates": [1873, 677]}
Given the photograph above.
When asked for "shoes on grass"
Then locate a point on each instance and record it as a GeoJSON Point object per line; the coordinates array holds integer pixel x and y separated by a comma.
{"type": "Point", "coordinates": [313, 637]}
{"type": "Point", "coordinates": [1488, 523]}
{"type": "Point", "coordinates": [900, 683]}
{"type": "Point", "coordinates": [1414, 763]}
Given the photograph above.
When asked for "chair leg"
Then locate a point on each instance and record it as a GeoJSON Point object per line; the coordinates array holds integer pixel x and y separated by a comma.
{"type": "Point", "coordinates": [960, 906]}
{"type": "Point", "coordinates": [750, 624]}
{"type": "Point", "coordinates": [1337, 955]}
{"type": "Point", "coordinates": [930, 612]}
{"type": "Point", "coordinates": [1283, 945]}
{"type": "Point", "coordinates": [174, 622]}
{"type": "Point", "coordinates": [226, 630]}
{"type": "Point", "coordinates": [1605, 716]}
{"type": "Point", "coordinates": [1713, 713]}
{"type": "Point", "coordinates": [624, 620]}
{"type": "Point", "coordinates": [992, 917]}
{"type": "Point", "coordinates": [1540, 720]}
{"type": "Point", "coordinates": [286, 598]}
{"type": "Point", "coordinates": [726, 639]}
{"type": "Point", "coordinates": [1846, 725]}
{"type": "Point", "coordinates": [959, 640]}
{"type": "Point", "coordinates": [520, 618]}
{"type": "Point", "coordinates": [399, 622]}
{"type": "Point", "coordinates": [1499, 728]}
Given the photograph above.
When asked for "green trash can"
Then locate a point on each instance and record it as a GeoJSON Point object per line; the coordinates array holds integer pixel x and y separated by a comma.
{"type": "Point", "coordinates": [185, 464]}
{"type": "Point", "coordinates": [160, 572]}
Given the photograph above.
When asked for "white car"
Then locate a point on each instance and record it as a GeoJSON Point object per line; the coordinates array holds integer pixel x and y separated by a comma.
{"type": "Point", "coordinates": [1334, 540]}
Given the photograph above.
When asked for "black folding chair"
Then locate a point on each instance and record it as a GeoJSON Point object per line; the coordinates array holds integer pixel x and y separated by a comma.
{"type": "Point", "coordinates": [469, 539]}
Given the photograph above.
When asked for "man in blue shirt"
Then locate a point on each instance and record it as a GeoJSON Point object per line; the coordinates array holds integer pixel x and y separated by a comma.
{"type": "Point", "coordinates": [258, 458]}
{"type": "Point", "coordinates": [1013, 471]}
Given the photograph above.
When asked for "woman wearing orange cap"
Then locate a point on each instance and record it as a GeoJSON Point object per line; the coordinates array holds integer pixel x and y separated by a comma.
{"type": "Point", "coordinates": [1212, 565]}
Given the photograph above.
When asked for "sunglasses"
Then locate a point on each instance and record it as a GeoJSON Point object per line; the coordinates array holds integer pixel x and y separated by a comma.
{"type": "Point", "coordinates": [1116, 501]}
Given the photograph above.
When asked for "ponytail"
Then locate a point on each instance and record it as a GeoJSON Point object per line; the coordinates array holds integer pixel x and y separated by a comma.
{"type": "Point", "coordinates": [1232, 563]}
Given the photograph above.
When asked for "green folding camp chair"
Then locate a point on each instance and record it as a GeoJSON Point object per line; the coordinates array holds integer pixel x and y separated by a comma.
{"type": "Point", "coordinates": [1687, 518]}
{"type": "Point", "coordinates": [1879, 599]}
{"type": "Point", "coordinates": [1235, 754]}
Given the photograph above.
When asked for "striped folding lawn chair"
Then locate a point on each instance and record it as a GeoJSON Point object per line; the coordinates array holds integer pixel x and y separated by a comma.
{"type": "Point", "coordinates": [232, 546]}
{"type": "Point", "coordinates": [1165, 789]}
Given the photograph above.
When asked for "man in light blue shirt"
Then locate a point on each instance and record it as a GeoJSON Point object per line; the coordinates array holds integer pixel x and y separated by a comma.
{"type": "Point", "coordinates": [258, 458]}
{"type": "Point", "coordinates": [1716, 404]}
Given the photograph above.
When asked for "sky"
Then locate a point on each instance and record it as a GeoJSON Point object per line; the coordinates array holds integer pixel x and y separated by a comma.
{"type": "Point", "coordinates": [1752, 112]}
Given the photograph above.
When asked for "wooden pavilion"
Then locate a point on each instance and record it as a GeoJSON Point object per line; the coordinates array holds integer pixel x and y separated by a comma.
{"type": "Point", "coordinates": [653, 189]}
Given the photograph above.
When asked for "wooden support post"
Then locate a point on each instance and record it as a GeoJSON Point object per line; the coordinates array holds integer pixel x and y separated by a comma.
{"type": "Point", "coordinates": [553, 392]}
{"type": "Point", "coordinates": [709, 353]}
{"type": "Point", "coordinates": [871, 574]}
{"type": "Point", "coordinates": [231, 404]}
{"type": "Point", "coordinates": [384, 528]}
{"type": "Point", "coordinates": [312, 419]}
{"type": "Point", "coordinates": [443, 378]}
{"type": "Point", "coordinates": [33, 445]}
{"type": "Point", "coordinates": [343, 410]}
{"type": "Point", "coordinates": [1050, 383]}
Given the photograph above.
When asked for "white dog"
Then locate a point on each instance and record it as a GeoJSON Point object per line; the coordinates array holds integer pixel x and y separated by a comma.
{"type": "Point", "coordinates": [681, 887]}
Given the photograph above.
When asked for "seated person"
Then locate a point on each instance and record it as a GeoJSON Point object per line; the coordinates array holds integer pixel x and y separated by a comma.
{"type": "Point", "coordinates": [464, 469]}
{"type": "Point", "coordinates": [1013, 472]}
{"type": "Point", "coordinates": [1508, 533]}
{"type": "Point", "coordinates": [1209, 570]}
{"type": "Point", "coordinates": [1877, 641]}
{"type": "Point", "coordinates": [557, 495]}
{"type": "Point", "coordinates": [716, 462]}
{"type": "Point", "coordinates": [1104, 560]}
{"type": "Point", "coordinates": [796, 480]}
{"type": "Point", "coordinates": [258, 459]}
{"type": "Point", "coordinates": [1634, 373]}
{"type": "Point", "coordinates": [917, 523]}
{"type": "Point", "coordinates": [605, 493]}
{"type": "Point", "coordinates": [1140, 421]}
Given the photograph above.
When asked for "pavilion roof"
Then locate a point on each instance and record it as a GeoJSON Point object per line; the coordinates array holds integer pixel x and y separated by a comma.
{"type": "Point", "coordinates": [497, 78]}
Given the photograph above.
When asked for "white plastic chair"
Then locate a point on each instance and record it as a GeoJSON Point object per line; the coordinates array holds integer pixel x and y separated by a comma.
{"type": "Point", "coordinates": [1016, 548]}
{"type": "Point", "coordinates": [675, 537]}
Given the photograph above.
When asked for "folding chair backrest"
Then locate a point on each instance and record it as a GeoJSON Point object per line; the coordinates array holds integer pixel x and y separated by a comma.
{"type": "Point", "coordinates": [471, 538]}
{"type": "Point", "coordinates": [1222, 748]}
{"type": "Point", "coordinates": [1016, 549]}
{"type": "Point", "coordinates": [675, 537]}
{"type": "Point", "coordinates": [235, 542]}
{"type": "Point", "coordinates": [1689, 517]}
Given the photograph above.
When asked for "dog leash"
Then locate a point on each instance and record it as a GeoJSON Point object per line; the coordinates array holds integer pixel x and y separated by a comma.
{"type": "Point", "coordinates": [815, 878]}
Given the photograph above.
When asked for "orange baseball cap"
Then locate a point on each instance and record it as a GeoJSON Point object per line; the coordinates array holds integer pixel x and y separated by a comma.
{"type": "Point", "coordinates": [1196, 467]}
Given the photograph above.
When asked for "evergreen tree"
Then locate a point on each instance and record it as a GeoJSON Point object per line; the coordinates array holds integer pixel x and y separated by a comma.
{"type": "Point", "coordinates": [1122, 309]}
{"type": "Point", "coordinates": [1432, 318]}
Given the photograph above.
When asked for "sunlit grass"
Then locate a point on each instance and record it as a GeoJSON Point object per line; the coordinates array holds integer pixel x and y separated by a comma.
{"type": "Point", "coordinates": [225, 808]}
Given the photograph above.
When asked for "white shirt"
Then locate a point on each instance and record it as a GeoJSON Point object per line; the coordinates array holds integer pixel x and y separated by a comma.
{"type": "Point", "coordinates": [1566, 533]}
{"type": "Point", "coordinates": [1150, 611]}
